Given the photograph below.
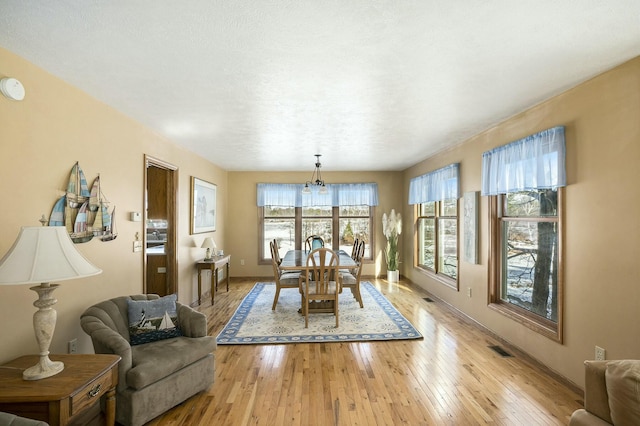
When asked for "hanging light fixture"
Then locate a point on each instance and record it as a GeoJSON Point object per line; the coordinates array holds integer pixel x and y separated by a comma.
{"type": "Point", "coordinates": [317, 181]}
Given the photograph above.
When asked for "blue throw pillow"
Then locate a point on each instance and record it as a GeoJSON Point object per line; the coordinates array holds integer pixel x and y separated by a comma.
{"type": "Point", "coordinates": [152, 320]}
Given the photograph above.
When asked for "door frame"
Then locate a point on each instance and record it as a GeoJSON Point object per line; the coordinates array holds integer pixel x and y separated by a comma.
{"type": "Point", "coordinates": [172, 216]}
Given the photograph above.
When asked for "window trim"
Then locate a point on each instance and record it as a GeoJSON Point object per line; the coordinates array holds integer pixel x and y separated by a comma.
{"type": "Point", "coordinates": [452, 283]}
{"type": "Point", "coordinates": [543, 326]}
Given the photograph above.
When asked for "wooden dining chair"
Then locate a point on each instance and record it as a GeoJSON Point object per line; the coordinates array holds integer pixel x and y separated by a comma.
{"type": "Point", "coordinates": [313, 242]}
{"type": "Point", "coordinates": [275, 254]}
{"type": "Point", "coordinates": [282, 279]}
{"type": "Point", "coordinates": [357, 252]}
{"type": "Point", "coordinates": [322, 283]}
{"type": "Point", "coordinates": [354, 249]}
{"type": "Point", "coordinates": [351, 278]}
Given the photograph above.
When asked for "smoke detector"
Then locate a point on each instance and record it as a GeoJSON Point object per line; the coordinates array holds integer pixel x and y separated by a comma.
{"type": "Point", "coordinates": [12, 89]}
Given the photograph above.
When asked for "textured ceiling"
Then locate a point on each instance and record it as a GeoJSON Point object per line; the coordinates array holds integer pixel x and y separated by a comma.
{"type": "Point", "coordinates": [370, 85]}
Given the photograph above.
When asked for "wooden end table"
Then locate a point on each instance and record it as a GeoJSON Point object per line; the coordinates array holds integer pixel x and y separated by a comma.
{"type": "Point", "coordinates": [213, 265]}
{"type": "Point", "coordinates": [65, 398]}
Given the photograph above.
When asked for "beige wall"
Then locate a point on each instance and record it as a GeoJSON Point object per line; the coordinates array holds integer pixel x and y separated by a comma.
{"type": "Point", "coordinates": [40, 139]}
{"type": "Point", "coordinates": [602, 238]}
{"type": "Point", "coordinates": [243, 212]}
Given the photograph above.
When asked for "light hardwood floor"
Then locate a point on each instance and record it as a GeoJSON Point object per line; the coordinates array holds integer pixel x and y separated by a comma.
{"type": "Point", "coordinates": [451, 377]}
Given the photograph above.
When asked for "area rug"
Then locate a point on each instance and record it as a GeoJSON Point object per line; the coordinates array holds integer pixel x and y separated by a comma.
{"type": "Point", "coordinates": [255, 323]}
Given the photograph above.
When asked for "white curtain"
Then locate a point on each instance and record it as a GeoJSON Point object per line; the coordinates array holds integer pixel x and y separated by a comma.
{"type": "Point", "coordinates": [355, 194]}
{"type": "Point", "coordinates": [535, 162]}
{"type": "Point", "coordinates": [341, 194]}
{"type": "Point", "coordinates": [280, 194]}
{"type": "Point", "coordinates": [441, 184]}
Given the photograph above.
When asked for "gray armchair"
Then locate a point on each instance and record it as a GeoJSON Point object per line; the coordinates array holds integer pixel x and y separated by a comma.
{"type": "Point", "coordinates": [156, 376]}
{"type": "Point", "coordinates": [7, 419]}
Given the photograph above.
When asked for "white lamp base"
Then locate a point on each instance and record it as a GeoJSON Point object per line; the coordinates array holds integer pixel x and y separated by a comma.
{"type": "Point", "coordinates": [43, 369]}
{"type": "Point", "coordinates": [44, 323]}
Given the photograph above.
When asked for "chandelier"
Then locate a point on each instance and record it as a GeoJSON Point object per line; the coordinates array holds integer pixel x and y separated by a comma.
{"type": "Point", "coordinates": [317, 181]}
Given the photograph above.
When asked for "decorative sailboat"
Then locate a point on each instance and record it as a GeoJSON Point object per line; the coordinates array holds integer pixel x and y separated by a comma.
{"type": "Point", "coordinates": [84, 213]}
{"type": "Point", "coordinates": [75, 216]}
{"type": "Point", "coordinates": [111, 233]}
{"type": "Point", "coordinates": [81, 232]}
{"type": "Point", "coordinates": [166, 322]}
{"type": "Point", "coordinates": [57, 214]}
{"type": "Point", "coordinates": [99, 216]}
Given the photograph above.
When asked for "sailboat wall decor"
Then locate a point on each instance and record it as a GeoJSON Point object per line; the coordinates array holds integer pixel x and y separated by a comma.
{"type": "Point", "coordinates": [83, 212]}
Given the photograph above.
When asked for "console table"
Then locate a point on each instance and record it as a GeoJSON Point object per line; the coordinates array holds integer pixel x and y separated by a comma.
{"type": "Point", "coordinates": [67, 397]}
{"type": "Point", "coordinates": [213, 265]}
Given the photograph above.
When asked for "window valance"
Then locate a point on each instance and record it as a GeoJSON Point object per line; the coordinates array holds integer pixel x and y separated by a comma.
{"type": "Point", "coordinates": [535, 162]}
{"type": "Point", "coordinates": [441, 184]}
{"type": "Point", "coordinates": [340, 194]}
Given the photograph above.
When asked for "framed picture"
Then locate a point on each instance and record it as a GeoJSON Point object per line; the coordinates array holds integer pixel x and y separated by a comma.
{"type": "Point", "coordinates": [203, 206]}
{"type": "Point", "coordinates": [471, 226]}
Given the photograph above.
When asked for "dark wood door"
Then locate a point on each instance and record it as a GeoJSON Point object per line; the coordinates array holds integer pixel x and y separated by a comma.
{"type": "Point", "coordinates": [160, 237]}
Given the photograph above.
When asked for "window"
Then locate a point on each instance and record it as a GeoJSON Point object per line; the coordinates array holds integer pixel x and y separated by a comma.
{"type": "Point", "coordinates": [524, 180]}
{"type": "Point", "coordinates": [342, 224]}
{"type": "Point", "coordinates": [437, 239]}
{"type": "Point", "coordinates": [435, 195]}
{"type": "Point", "coordinates": [354, 222]}
{"type": "Point", "coordinates": [318, 221]}
{"type": "Point", "coordinates": [339, 217]}
{"type": "Point", "coordinates": [525, 281]}
{"type": "Point", "coordinates": [279, 224]}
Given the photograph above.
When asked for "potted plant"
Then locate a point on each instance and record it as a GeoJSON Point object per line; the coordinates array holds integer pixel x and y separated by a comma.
{"type": "Point", "coordinates": [391, 228]}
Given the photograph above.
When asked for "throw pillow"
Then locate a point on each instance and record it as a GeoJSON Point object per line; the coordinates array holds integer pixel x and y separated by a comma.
{"type": "Point", "coordinates": [623, 387]}
{"type": "Point", "coordinates": [152, 320]}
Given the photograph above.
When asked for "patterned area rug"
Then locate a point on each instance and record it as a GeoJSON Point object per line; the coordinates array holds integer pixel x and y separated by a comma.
{"type": "Point", "coordinates": [255, 323]}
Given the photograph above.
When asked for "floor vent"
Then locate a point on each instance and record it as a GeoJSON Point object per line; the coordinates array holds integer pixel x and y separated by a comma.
{"type": "Point", "coordinates": [501, 351]}
{"type": "Point", "coordinates": [428, 300]}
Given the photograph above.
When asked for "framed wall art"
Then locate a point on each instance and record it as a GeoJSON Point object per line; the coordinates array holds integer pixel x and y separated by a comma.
{"type": "Point", "coordinates": [203, 206]}
{"type": "Point", "coordinates": [471, 226]}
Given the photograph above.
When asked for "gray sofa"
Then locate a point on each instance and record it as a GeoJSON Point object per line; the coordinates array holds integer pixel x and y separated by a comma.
{"type": "Point", "coordinates": [611, 394]}
{"type": "Point", "coordinates": [156, 376]}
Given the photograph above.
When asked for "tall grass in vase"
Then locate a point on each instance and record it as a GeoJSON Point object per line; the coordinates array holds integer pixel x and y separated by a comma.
{"type": "Point", "coordinates": [392, 228]}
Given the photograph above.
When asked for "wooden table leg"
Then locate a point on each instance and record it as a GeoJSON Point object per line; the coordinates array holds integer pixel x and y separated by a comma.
{"type": "Point", "coordinates": [199, 285]}
{"type": "Point", "coordinates": [214, 284]}
{"type": "Point", "coordinates": [110, 407]}
{"type": "Point", "coordinates": [227, 276]}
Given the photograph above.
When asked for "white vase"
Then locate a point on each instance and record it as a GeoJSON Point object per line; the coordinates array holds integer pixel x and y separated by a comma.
{"type": "Point", "coordinates": [393, 276]}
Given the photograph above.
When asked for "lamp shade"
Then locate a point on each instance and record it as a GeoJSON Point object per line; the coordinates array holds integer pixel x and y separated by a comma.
{"type": "Point", "coordinates": [44, 254]}
{"type": "Point", "coordinates": [208, 243]}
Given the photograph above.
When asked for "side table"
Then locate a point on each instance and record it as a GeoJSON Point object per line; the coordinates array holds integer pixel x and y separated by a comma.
{"type": "Point", "coordinates": [65, 398]}
{"type": "Point", "coordinates": [213, 265]}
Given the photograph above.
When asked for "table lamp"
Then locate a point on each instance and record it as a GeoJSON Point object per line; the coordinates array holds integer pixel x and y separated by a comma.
{"type": "Point", "coordinates": [209, 244]}
{"type": "Point", "coordinates": [42, 254]}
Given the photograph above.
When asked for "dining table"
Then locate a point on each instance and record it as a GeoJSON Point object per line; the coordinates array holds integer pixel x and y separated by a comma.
{"type": "Point", "coordinates": [296, 260]}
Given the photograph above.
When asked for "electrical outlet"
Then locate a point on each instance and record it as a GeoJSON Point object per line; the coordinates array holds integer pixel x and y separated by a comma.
{"type": "Point", "coordinates": [600, 354]}
{"type": "Point", "coordinates": [242, 262]}
{"type": "Point", "coordinates": [469, 291]}
{"type": "Point", "coordinates": [73, 346]}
